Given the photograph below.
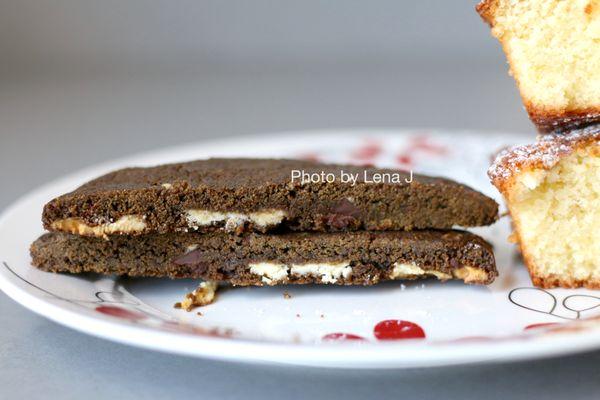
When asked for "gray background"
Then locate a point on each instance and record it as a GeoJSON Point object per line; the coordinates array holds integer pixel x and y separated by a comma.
{"type": "Point", "coordinates": [86, 81]}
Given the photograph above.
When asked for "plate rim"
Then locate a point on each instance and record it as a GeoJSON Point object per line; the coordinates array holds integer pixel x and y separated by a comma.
{"type": "Point", "coordinates": [345, 355]}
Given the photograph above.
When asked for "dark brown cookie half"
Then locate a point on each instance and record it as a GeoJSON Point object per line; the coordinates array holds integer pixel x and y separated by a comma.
{"type": "Point", "coordinates": [263, 195]}
{"type": "Point", "coordinates": [352, 258]}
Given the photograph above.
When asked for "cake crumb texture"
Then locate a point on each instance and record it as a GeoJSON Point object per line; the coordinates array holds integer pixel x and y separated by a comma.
{"type": "Point", "coordinates": [554, 200]}
{"type": "Point", "coordinates": [553, 48]}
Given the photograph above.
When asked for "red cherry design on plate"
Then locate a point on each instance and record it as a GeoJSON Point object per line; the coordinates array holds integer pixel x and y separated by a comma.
{"type": "Point", "coordinates": [340, 336]}
{"type": "Point", "coordinates": [472, 339]}
{"type": "Point", "coordinates": [367, 151]}
{"type": "Point", "coordinates": [404, 159]}
{"type": "Point", "coordinates": [309, 157]}
{"type": "Point", "coordinates": [423, 143]}
{"type": "Point", "coordinates": [540, 325]}
{"type": "Point", "coordinates": [120, 312]}
{"type": "Point", "coordinates": [394, 329]}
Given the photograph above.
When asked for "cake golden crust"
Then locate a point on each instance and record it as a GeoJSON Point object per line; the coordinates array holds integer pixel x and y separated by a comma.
{"type": "Point", "coordinates": [560, 121]}
{"type": "Point", "coordinates": [559, 281]}
{"type": "Point", "coordinates": [551, 188]}
{"type": "Point", "coordinates": [543, 154]}
{"type": "Point", "coordinates": [486, 9]}
{"type": "Point", "coordinates": [555, 64]}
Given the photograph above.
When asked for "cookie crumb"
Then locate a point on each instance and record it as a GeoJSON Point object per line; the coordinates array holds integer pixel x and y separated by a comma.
{"type": "Point", "coordinates": [286, 295]}
{"type": "Point", "coordinates": [322, 315]}
{"type": "Point", "coordinates": [199, 313]}
{"type": "Point", "coordinates": [203, 295]}
{"type": "Point", "coordinates": [297, 315]}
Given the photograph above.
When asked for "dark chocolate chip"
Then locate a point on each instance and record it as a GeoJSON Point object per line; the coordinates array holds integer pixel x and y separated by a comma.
{"type": "Point", "coordinates": [342, 214]}
{"type": "Point", "coordinates": [346, 207]}
{"type": "Point", "coordinates": [338, 221]}
{"type": "Point", "coordinates": [229, 266]}
{"type": "Point", "coordinates": [454, 263]}
{"type": "Point", "coordinates": [193, 257]}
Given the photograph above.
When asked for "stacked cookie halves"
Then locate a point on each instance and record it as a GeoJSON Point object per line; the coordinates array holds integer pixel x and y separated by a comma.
{"type": "Point", "coordinates": [552, 186]}
{"type": "Point", "coordinates": [249, 222]}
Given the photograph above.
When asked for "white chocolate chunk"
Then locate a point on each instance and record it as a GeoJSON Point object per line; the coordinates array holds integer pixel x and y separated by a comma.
{"type": "Point", "coordinates": [203, 217]}
{"type": "Point", "coordinates": [264, 218]}
{"type": "Point", "coordinates": [442, 276]}
{"type": "Point", "coordinates": [403, 270]}
{"type": "Point", "coordinates": [125, 224]}
{"type": "Point", "coordinates": [470, 274]}
{"type": "Point", "coordinates": [466, 273]}
{"type": "Point", "coordinates": [191, 248]}
{"type": "Point", "coordinates": [267, 217]}
{"type": "Point", "coordinates": [270, 272]}
{"type": "Point", "coordinates": [410, 270]}
{"type": "Point", "coordinates": [328, 272]}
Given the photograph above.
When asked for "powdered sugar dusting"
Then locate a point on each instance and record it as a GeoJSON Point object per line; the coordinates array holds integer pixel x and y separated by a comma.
{"type": "Point", "coordinates": [543, 154]}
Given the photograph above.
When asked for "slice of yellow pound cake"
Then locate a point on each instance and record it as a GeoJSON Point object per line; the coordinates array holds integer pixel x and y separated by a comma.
{"type": "Point", "coordinates": [552, 190]}
{"type": "Point", "coordinates": [553, 48]}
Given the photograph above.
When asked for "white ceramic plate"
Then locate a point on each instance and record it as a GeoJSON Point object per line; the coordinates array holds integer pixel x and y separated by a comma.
{"type": "Point", "coordinates": [416, 324]}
